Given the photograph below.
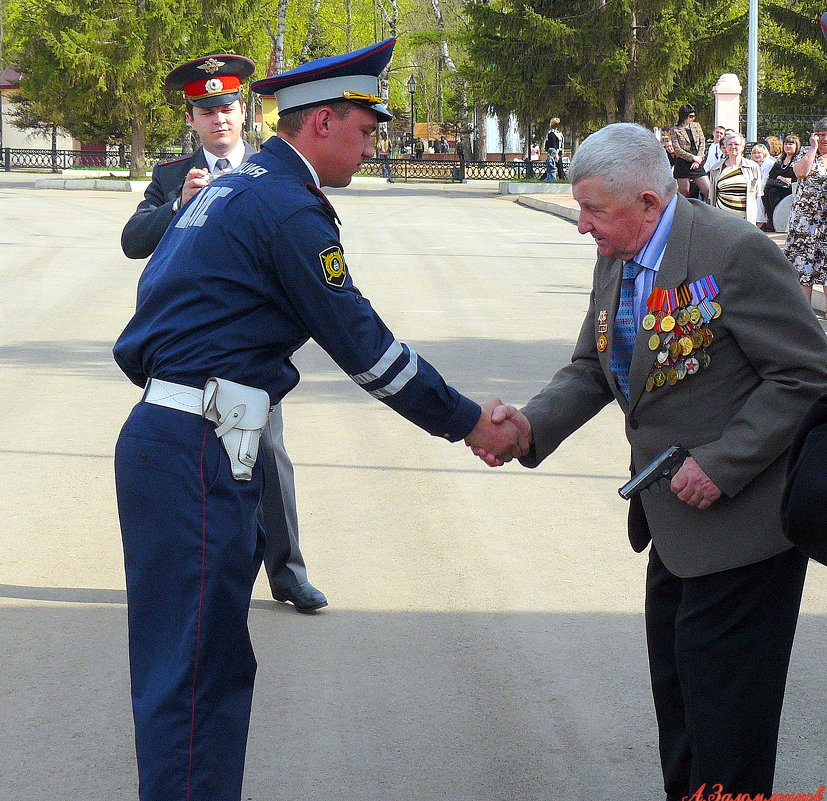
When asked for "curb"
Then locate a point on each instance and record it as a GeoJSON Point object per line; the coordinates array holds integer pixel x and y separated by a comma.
{"type": "Point", "coordinates": [550, 207]}
{"type": "Point", "coordinates": [99, 184]}
{"type": "Point", "coordinates": [515, 188]}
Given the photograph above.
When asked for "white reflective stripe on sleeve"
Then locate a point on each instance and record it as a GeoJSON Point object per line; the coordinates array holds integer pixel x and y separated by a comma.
{"type": "Point", "coordinates": [402, 378]}
{"type": "Point", "coordinates": [381, 367]}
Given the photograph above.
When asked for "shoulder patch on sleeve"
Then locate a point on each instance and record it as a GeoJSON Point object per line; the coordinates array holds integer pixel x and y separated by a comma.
{"type": "Point", "coordinates": [333, 266]}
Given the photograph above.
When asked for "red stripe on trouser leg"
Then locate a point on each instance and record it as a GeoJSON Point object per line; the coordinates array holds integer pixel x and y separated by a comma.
{"type": "Point", "coordinates": [200, 605]}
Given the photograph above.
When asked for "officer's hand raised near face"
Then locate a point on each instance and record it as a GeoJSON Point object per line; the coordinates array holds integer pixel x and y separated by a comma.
{"type": "Point", "coordinates": [195, 181]}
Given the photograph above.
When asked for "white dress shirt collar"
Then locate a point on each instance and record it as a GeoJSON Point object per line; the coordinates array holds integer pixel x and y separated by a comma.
{"type": "Point", "coordinates": [235, 156]}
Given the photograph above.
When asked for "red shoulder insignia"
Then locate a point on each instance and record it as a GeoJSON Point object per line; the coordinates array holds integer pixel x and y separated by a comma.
{"type": "Point", "coordinates": [175, 161]}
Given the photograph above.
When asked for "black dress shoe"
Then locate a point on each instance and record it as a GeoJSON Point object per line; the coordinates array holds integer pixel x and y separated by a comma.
{"type": "Point", "coordinates": [305, 597]}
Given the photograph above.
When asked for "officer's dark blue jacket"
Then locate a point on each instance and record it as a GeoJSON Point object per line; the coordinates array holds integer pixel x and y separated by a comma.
{"type": "Point", "coordinates": [249, 270]}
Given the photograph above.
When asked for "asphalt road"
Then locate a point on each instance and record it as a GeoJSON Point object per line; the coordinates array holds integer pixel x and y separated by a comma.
{"type": "Point", "coordinates": [484, 640]}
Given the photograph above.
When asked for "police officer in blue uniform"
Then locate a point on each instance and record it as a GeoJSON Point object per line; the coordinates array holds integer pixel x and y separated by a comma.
{"type": "Point", "coordinates": [212, 88]}
{"type": "Point", "coordinates": [249, 269]}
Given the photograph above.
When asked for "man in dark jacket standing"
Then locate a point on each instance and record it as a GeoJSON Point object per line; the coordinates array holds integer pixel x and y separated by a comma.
{"type": "Point", "coordinates": [212, 88]}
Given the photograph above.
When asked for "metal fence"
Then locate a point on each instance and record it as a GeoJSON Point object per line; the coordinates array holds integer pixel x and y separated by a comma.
{"type": "Point", "coordinates": [781, 124]}
{"type": "Point", "coordinates": [454, 170]}
{"type": "Point", "coordinates": [402, 169]}
{"type": "Point", "coordinates": [56, 160]}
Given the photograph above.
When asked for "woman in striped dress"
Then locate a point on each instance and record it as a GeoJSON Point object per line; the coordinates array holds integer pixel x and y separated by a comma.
{"type": "Point", "coordinates": [735, 182]}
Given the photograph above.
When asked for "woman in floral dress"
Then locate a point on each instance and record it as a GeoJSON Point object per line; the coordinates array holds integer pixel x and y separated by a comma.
{"type": "Point", "coordinates": [806, 245]}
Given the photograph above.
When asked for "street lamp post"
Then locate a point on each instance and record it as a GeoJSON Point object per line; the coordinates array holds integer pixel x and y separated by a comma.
{"type": "Point", "coordinates": [412, 90]}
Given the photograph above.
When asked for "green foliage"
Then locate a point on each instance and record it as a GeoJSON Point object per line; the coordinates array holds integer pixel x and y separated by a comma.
{"type": "Point", "coordinates": [591, 62]}
{"type": "Point", "coordinates": [794, 74]}
{"type": "Point", "coordinates": [95, 68]}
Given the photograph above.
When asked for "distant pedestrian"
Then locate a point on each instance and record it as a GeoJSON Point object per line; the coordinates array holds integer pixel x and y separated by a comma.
{"type": "Point", "coordinates": [735, 182]}
{"type": "Point", "coordinates": [780, 179]}
{"type": "Point", "coordinates": [761, 156]}
{"type": "Point", "coordinates": [806, 245]}
{"type": "Point", "coordinates": [384, 150]}
{"type": "Point", "coordinates": [690, 147]}
{"type": "Point", "coordinates": [551, 165]}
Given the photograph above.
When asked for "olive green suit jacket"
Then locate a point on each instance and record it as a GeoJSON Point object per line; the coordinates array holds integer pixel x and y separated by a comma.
{"type": "Point", "coordinates": [768, 364]}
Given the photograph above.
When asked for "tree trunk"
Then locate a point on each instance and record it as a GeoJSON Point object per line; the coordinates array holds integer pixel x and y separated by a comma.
{"type": "Point", "coordinates": [55, 168]}
{"type": "Point", "coordinates": [137, 165]}
{"type": "Point", "coordinates": [631, 72]}
{"type": "Point", "coordinates": [465, 128]}
{"type": "Point", "coordinates": [392, 20]}
{"type": "Point", "coordinates": [280, 36]}
{"type": "Point", "coordinates": [481, 131]}
{"type": "Point", "coordinates": [277, 38]}
{"type": "Point", "coordinates": [312, 25]}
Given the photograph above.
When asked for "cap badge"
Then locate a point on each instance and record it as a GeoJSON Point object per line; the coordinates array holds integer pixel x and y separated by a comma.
{"type": "Point", "coordinates": [368, 98]}
{"type": "Point", "coordinates": [214, 85]}
{"type": "Point", "coordinates": [211, 65]}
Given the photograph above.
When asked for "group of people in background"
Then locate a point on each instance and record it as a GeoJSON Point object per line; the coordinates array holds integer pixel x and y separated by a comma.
{"type": "Point", "coordinates": [753, 187]}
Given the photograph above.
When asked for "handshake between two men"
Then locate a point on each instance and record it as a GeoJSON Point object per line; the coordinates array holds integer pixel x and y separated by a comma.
{"type": "Point", "coordinates": [503, 433]}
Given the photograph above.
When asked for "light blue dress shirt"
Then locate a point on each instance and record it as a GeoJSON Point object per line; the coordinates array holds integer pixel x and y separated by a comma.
{"type": "Point", "coordinates": [649, 257]}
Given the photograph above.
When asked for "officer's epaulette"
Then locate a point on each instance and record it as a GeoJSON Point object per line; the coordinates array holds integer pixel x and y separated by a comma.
{"type": "Point", "coordinates": [328, 206]}
{"type": "Point", "coordinates": [175, 161]}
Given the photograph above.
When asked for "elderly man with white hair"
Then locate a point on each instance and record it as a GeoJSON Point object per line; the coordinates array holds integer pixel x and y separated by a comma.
{"type": "Point", "coordinates": [697, 328]}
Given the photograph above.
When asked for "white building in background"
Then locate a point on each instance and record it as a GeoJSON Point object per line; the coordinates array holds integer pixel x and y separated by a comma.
{"type": "Point", "coordinates": [14, 137]}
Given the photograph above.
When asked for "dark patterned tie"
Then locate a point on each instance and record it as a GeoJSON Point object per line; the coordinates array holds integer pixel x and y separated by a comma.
{"type": "Point", "coordinates": [221, 165]}
{"type": "Point", "coordinates": [625, 328]}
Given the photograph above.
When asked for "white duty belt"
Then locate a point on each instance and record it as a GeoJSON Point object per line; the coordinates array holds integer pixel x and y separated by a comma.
{"type": "Point", "coordinates": [239, 412]}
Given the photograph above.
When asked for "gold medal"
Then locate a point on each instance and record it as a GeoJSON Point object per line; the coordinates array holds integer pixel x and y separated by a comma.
{"type": "Point", "coordinates": [602, 343]}
{"type": "Point", "coordinates": [650, 384]}
{"type": "Point", "coordinates": [694, 315]}
{"type": "Point", "coordinates": [654, 342]}
{"type": "Point", "coordinates": [697, 339]}
{"type": "Point", "coordinates": [717, 307]}
{"type": "Point", "coordinates": [667, 324]}
{"type": "Point", "coordinates": [708, 337]}
{"type": "Point", "coordinates": [648, 322]}
{"type": "Point", "coordinates": [659, 377]}
{"type": "Point", "coordinates": [675, 348]}
{"type": "Point", "coordinates": [683, 317]}
{"type": "Point", "coordinates": [686, 345]}
{"type": "Point", "coordinates": [672, 376]}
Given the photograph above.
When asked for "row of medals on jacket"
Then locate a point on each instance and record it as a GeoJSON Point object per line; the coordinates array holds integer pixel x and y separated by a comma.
{"type": "Point", "coordinates": [680, 340]}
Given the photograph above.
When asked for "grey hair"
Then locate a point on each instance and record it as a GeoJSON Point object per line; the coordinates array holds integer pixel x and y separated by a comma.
{"type": "Point", "coordinates": [821, 125]}
{"type": "Point", "coordinates": [628, 157]}
{"type": "Point", "coordinates": [726, 139]}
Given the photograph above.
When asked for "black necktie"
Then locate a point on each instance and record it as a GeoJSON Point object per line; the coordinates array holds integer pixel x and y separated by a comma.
{"type": "Point", "coordinates": [221, 165]}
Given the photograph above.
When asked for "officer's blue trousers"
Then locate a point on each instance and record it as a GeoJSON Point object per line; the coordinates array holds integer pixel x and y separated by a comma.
{"type": "Point", "coordinates": [191, 557]}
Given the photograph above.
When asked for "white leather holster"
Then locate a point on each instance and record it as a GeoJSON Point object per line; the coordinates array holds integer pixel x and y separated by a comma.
{"type": "Point", "coordinates": [240, 414]}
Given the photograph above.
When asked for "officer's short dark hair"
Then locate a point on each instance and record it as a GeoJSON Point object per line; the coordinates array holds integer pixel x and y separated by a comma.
{"type": "Point", "coordinates": [291, 123]}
